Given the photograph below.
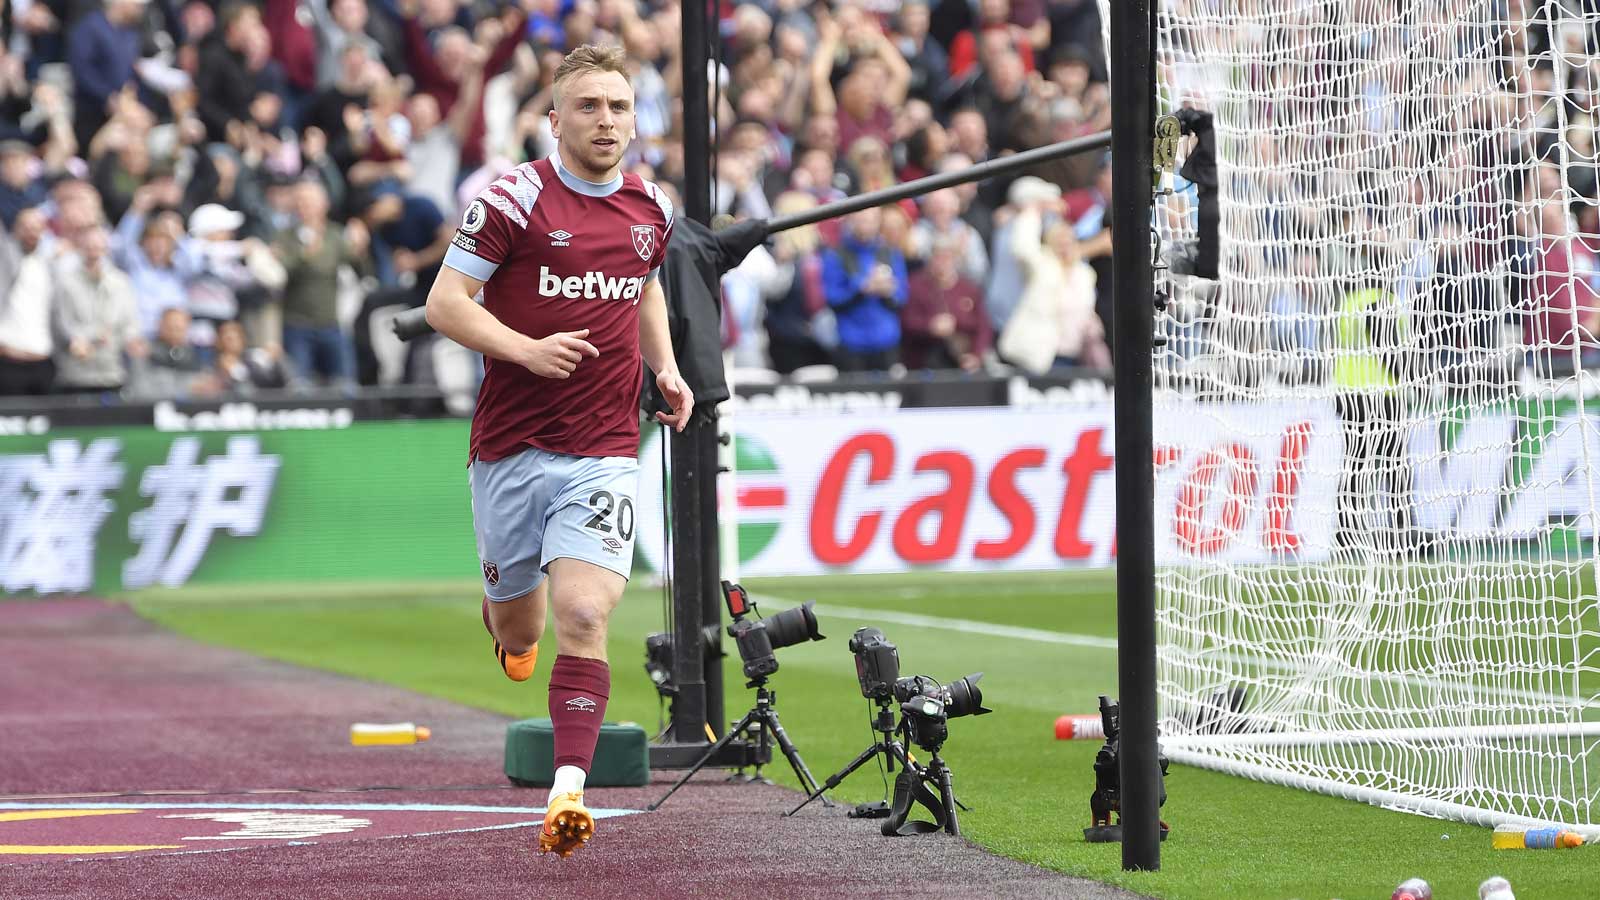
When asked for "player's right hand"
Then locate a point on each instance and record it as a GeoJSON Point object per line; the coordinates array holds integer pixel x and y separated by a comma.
{"type": "Point", "coordinates": [557, 355]}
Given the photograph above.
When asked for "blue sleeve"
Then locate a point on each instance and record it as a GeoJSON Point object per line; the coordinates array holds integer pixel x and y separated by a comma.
{"type": "Point", "coordinates": [837, 285]}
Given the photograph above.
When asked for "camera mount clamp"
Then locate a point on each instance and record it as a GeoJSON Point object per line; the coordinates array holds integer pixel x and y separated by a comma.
{"type": "Point", "coordinates": [763, 717]}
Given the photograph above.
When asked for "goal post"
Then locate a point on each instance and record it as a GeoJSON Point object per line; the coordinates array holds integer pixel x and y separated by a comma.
{"type": "Point", "coordinates": [1379, 578]}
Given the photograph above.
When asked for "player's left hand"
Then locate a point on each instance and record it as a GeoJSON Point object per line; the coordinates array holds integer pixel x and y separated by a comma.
{"type": "Point", "coordinates": [678, 396]}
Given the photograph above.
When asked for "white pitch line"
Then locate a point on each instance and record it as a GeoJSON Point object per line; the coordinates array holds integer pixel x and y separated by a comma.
{"type": "Point", "coordinates": [969, 626]}
{"type": "Point", "coordinates": [1039, 635]}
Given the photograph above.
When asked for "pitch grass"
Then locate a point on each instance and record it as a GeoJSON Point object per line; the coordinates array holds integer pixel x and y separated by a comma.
{"type": "Point", "coordinates": [1232, 838]}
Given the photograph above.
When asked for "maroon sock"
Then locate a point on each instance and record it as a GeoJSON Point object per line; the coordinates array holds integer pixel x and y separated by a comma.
{"type": "Point", "coordinates": [579, 688]}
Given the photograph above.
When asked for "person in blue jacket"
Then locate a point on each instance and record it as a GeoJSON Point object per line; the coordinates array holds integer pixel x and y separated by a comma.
{"type": "Point", "coordinates": [864, 280]}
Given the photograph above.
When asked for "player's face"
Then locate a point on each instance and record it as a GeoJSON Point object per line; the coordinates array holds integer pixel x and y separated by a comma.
{"type": "Point", "coordinates": [594, 123]}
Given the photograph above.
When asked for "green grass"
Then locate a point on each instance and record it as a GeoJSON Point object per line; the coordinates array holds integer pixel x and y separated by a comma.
{"type": "Point", "coordinates": [1231, 838]}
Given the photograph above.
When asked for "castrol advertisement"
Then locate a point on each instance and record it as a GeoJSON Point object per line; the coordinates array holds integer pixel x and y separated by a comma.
{"type": "Point", "coordinates": [1012, 489]}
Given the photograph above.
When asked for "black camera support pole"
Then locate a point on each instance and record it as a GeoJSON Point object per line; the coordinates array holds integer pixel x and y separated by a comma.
{"type": "Point", "coordinates": [887, 745]}
{"type": "Point", "coordinates": [764, 716]}
{"type": "Point", "coordinates": [1133, 330]}
{"type": "Point", "coordinates": [413, 323]}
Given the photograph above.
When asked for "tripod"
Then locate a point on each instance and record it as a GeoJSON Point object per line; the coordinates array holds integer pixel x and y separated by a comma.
{"type": "Point", "coordinates": [764, 716]}
{"type": "Point", "coordinates": [915, 784]}
{"type": "Point", "coordinates": [887, 745]}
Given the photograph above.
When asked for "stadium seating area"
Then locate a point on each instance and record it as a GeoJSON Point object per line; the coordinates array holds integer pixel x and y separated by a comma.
{"type": "Point", "coordinates": [211, 200]}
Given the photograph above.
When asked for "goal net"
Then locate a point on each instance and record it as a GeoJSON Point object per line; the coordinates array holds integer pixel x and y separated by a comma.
{"type": "Point", "coordinates": [1375, 433]}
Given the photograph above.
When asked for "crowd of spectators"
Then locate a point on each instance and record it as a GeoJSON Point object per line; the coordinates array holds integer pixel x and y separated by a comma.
{"type": "Point", "coordinates": [207, 199]}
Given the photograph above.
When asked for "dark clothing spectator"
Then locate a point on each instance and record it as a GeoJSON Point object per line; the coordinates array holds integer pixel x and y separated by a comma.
{"type": "Point", "coordinates": [173, 367]}
{"type": "Point", "coordinates": [1075, 27]}
{"type": "Point", "coordinates": [419, 235]}
{"type": "Point", "coordinates": [19, 190]}
{"type": "Point", "coordinates": [225, 85]}
{"type": "Point", "coordinates": [930, 65]}
{"type": "Point", "coordinates": [865, 302]}
{"type": "Point", "coordinates": [944, 322]}
{"type": "Point", "coordinates": [791, 336]}
{"type": "Point", "coordinates": [102, 54]}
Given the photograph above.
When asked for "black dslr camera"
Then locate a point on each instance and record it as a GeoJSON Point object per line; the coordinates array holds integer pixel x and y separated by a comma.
{"type": "Point", "coordinates": [927, 706]}
{"type": "Point", "coordinates": [758, 638]}
{"type": "Point", "coordinates": [877, 663]}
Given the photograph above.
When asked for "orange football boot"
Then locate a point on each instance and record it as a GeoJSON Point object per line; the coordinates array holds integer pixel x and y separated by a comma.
{"type": "Point", "coordinates": [567, 825]}
{"type": "Point", "coordinates": [517, 667]}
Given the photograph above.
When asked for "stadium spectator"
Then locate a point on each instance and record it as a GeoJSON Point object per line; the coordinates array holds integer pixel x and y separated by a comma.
{"type": "Point", "coordinates": [1007, 277]}
{"type": "Point", "coordinates": [874, 86]}
{"type": "Point", "coordinates": [798, 322]}
{"type": "Point", "coordinates": [150, 246]}
{"type": "Point", "coordinates": [926, 58]}
{"type": "Point", "coordinates": [442, 69]}
{"type": "Point", "coordinates": [944, 323]}
{"type": "Point", "coordinates": [864, 280]}
{"type": "Point", "coordinates": [234, 67]}
{"type": "Point", "coordinates": [994, 17]}
{"type": "Point", "coordinates": [342, 24]}
{"type": "Point", "coordinates": [95, 318]}
{"type": "Point", "coordinates": [941, 224]}
{"type": "Point", "coordinates": [102, 48]}
{"type": "Point", "coordinates": [173, 368]}
{"type": "Point", "coordinates": [1563, 313]}
{"type": "Point", "coordinates": [409, 236]}
{"type": "Point", "coordinates": [231, 275]}
{"type": "Point", "coordinates": [312, 253]}
{"type": "Point", "coordinates": [338, 105]}
{"type": "Point", "coordinates": [240, 370]}
{"type": "Point", "coordinates": [433, 151]}
{"type": "Point", "coordinates": [20, 187]}
{"type": "Point", "coordinates": [1054, 324]}
{"type": "Point", "coordinates": [26, 337]}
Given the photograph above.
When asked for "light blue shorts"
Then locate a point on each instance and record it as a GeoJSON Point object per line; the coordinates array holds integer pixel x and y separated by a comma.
{"type": "Point", "coordinates": [537, 506]}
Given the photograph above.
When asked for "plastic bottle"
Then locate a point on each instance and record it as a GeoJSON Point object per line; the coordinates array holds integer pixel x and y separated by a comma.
{"type": "Point", "coordinates": [1495, 888]}
{"type": "Point", "coordinates": [1516, 837]}
{"type": "Point", "coordinates": [1413, 889]}
{"type": "Point", "coordinates": [1079, 728]}
{"type": "Point", "coordinates": [364, 734]}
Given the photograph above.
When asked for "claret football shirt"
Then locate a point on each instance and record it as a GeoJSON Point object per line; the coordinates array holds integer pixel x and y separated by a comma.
{"type": "Point", "coordinates": [558, 253]}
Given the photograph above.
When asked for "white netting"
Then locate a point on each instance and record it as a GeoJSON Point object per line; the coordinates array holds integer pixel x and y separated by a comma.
{"type": "Point", "coordinates": [1398, 604]}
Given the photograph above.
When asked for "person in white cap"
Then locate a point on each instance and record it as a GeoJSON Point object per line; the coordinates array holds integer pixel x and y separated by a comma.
{"type": "Point", "coordinates": [228, 267]}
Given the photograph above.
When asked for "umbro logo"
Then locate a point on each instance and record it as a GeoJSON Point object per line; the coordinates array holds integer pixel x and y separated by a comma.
{"type": "Point", "coordinates": [560, 238]}
{"type": "Point", "coordinates": [581, 704]}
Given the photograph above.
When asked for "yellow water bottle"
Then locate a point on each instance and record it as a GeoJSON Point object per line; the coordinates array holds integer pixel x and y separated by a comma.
{"type": "Point", "coordinates": [364, 734]}
{"type": "Point", "coordinates": [1516, 837]}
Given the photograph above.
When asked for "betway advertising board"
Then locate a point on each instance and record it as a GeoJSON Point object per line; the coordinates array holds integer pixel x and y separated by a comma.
{"type": "Point", "coordinates": [998, 488]}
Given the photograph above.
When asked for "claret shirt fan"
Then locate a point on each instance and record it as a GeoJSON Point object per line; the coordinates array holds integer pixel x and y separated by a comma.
{"type": "Point", "coordinates": [557, 253]}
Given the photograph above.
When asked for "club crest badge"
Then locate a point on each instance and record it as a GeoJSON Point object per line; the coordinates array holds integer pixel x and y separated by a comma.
{"type": "Point", "coordinates": [644, 241]}
{"type": "Point", "coordinates": [491, 573]}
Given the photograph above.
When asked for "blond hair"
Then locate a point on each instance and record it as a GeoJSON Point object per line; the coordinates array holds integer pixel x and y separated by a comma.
{"type": "Point", "coordinates": [589, 58]}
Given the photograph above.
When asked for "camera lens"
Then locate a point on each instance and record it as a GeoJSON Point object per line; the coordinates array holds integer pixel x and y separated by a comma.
{"type": "Point", "coordinates": [963, 697]}
{"type": "Point", "coordinates": [793, 626]}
